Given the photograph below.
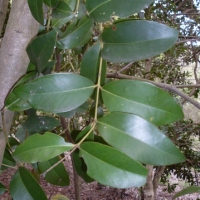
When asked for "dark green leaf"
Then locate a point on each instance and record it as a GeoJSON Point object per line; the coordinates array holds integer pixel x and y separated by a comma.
{"type": "Point", "coordinates": [139, 139]}
{"type": "Point", "coordinates": [48, 68]}
{"type": "Point", "coordinates": [62, 10]}
{"type": "Point", "coordinates": [56, 92]}
{"type": "Point", "coordinates": [21, 133]}
{"type": "Point", "coordinates": [58, 23]}
{"type": "Point", "coordinates": [24, 186]}
{"type": "Point", "coordinates": [103, 10]}
{"type": "Point", "coordinates": [39, 148]}
{"type": "Point", "coordinates": [111, 167]}
{"type": "Point", "coordinates": [58, 175]}
{"type": "Point", "coordinates": [7, 160]}
{"type": "Point", "coordinates": [189, 190]}
{"type": "Point", "coordinates": [3, 189]}
{"type": "Point", "coordinates": [83, 133]}
{"type": "Point", "coordinates": [90, 63]}
{"type": "Point", "coordinates": [36, 8]}
{"type": "Point", "coordinates": [51, 3]}
{"type": "Point", "coordinates": [40, 124]}
{"type": "Point", "coordinates": [134, 40]}
{"type": "Point", "coordinates": [143, 99]}
{"type": "Point", "coordinates": [41, 49]}
{"type": "Point", "coordinates": [76, 35]}
{"type": "Point", "coordinates": [80, 167]}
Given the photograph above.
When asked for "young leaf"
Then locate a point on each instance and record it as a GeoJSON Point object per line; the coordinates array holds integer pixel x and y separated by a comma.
{"type": "Point", "coordinates": [138, 139]}
{"type": "Point", "coordinates": [36, 8]}
{"type": "Point", "coordinates": [111, 167]}
{"type": "Point", "coordinates": [189, 190]}
{"type": "Point", "coordinates": [103, 10]}
{"type": "Point", "coordinates": [38, 124]}
{"type": "Point", "coordinates": [143, 99]}
{"type": "Point", "coordinates": [76, 35]}
{"type": "Point", "coordinates": [56, 92]}
{"type": "Point", "coordinates": [24, 186]}
{"type": "Point", "coordinates": [3, 189]}
{"type": "Point", "coordinates": [58, 175]}
{"type": "Point", "coordinates": [90, 63]}
{"type": "Point", "coordinates": [134, 40]}
{"type": "Point", "coordinates": [39, 148]}
{"type": "Point", "coordinates": [41, 49]}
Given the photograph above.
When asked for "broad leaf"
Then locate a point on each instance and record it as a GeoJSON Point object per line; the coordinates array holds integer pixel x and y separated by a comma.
{"type": "Point", "coordinates": [111, 167]}
{"type": "Point", "coordinates": [39, 148]}
{"type": "Point", "coordinates": [36, 8]}
{"type": "Point", "coordinates": [59, 197]}
{"type": "Point", "coordinates": [56, 92]}
{"type": "Point", "coordinates": [139, 139]}
{"type": "Point", "coordinates": [7, 160]}
{"type": "Point", "coordinates": [21, 133]}
{"type": "Point", "coordinates": [41, 49]}
{"type": "Point", "coordinates": [189, 190]}
{"type": "Point", "coordinates": [134, 40]}
{"type": "Point", "coordinates": [143, 99]}
{"type": "Point", "coordinates": [58, 23]}
{"type": "Point", "coordinates": [90, 63]}
{"type": "Point", "coordinates": [103, 10]}
{"type": "Point", "coordinates": [76, 35]}
{"type": "Point", "coordinates": [3, 189]}
{"type": "Point", "coordinates": [24, 186]}
{"type": "Point", "coordinates": [39, 124]}
{"type": "Point", "coordinates": [58, 175]}
{"type": "Point", "coordinates": [51, 3]}
{"type": "Point", "coordinates": [62, 10]}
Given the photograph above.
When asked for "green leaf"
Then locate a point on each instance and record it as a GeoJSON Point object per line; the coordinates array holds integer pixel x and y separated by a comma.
{"type": "Point", "coordinates": [58, 175]}
{"type": "Point", "coordinates": [39, 148]}
{"type": "Point", "coordinates": [41, 49]}
{"type": "Point", "coordinates": [90, 63]}
{"type": "Point", "coordinates": [134, 40]}
{"type": "Point", "coordinates": [76, 35]}
{"type": "Point", "coordinates": [139, 139]}
{"type": "Point", "coordinates": [59, 197]}
{"type": "Point", "coordinates": [51, 3]}
{"type": "Point", "coordinates": [103, 10]}
{"type": "Point", "coordinates": [189, 190]}
{"type": "Point", "coordinates": [80, 167]}
{"type": "Point", "coordinates": [38, 124]}
{"type": "Point", "coordinates": [83, 133]}
{"type": "Point", "coordinates": [7, 160]}
{"type": "Point", "coordinates": [24, 186]}
{"type": "Point", "coordinates": [143, 99]}
{"type": "Point", "coordinates": [3, 189]}
{"type": "Point", "coordinates": [62, 10]}
{"type": "Point", "coordinates": [58, 23]}
{"type": "Point", "coordinates": [21, 133]}
{"type": "Point", "coordinates": [111, 167]}
{"type": "Point", "coordinates": [36, 8]}
{"type": "Point", "coordinates": [56, 92]}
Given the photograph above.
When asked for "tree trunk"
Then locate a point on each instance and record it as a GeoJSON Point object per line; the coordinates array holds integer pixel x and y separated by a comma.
{"type": "Point", "coordinates": [21, 27]}
{"type": "Point", "coordinates": [3, 12]}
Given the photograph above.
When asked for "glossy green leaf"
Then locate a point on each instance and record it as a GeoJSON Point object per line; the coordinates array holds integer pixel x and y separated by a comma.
{"type": "Point", "coordinates": [24, 186]}
{"type": "Point", "coordinates": [103, 10]}
{"type": "Point", "coordinates": [59, 197]}
{"type": "Point", "coordinates": [111, 167]}
{"type": "Point", "coordinates": [41, 49]}
{"type": "Point", "coordinates": [80, 167]}
{"type": "Point", "coordinates": [90, 63]}
{"type": "Point", "coordinates": [134, 40]}
{"type": "Point", "coordinates": [62, 10]}
{"type": "Point", "coordinates": [142, 99]}
{"type": "Point", "coordinates": [56, 92]}
{"type": "Point", "coordinates": [80, 136]}
{"type": "Point", "coordinates": [21, 133]}
{"type": "Point", "coordinates": [189, 190]}
{"type": "Point", "coordinates": [40, 124]}
{"type": "Point", "coordinates": [7, 160]}
{"type": "Point", "coordinates": [49, 67]}
{"type": "Point", "coordinates": [36, 8]}
{"type": "Point", "coordinates": [14, 103]}
{"type": "Point", "coordinates": [51, 3]}
{"type": "Point", "coordinates": [76, 35]}
{"type": "Point", "coordinates": [139, 139]}
{"type": "Point", "coordinates": [3, 189]}
{"type": "Point", "coordinates": [58, 175]}
{"type": "Point", "coordinates": [72, 4]}
{"type": "Point", "coordinates": [58, 23]}
{"type": "Point", "coordinates": [39, 148]}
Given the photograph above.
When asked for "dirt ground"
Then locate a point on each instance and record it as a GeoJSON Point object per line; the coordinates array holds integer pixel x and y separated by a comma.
{"type": "Point", "coordinates": [92, 191]}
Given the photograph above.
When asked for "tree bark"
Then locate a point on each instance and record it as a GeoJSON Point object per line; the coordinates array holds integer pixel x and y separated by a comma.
{"type": "Point", "coordinates": [20, 29]}
{"type": "Point", "coordinates": [3, 12]}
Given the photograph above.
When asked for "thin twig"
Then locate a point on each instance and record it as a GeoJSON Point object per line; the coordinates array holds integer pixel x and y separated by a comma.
{"type": "Point", "coordinates": [126, 67]}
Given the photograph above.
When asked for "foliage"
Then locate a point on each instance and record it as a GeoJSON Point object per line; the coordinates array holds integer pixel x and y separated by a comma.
{"type": "Point", "coordinates": [118, 133]}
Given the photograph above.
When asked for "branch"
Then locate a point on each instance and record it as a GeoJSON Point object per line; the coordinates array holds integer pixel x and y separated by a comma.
{"type": "Point", "coordinates": [165, 86]}
{"type": "Point", "coordinates": [126, 67]}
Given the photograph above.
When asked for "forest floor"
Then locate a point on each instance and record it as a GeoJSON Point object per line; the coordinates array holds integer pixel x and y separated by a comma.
{"type": "Point", "coordinates": [95, 191]}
